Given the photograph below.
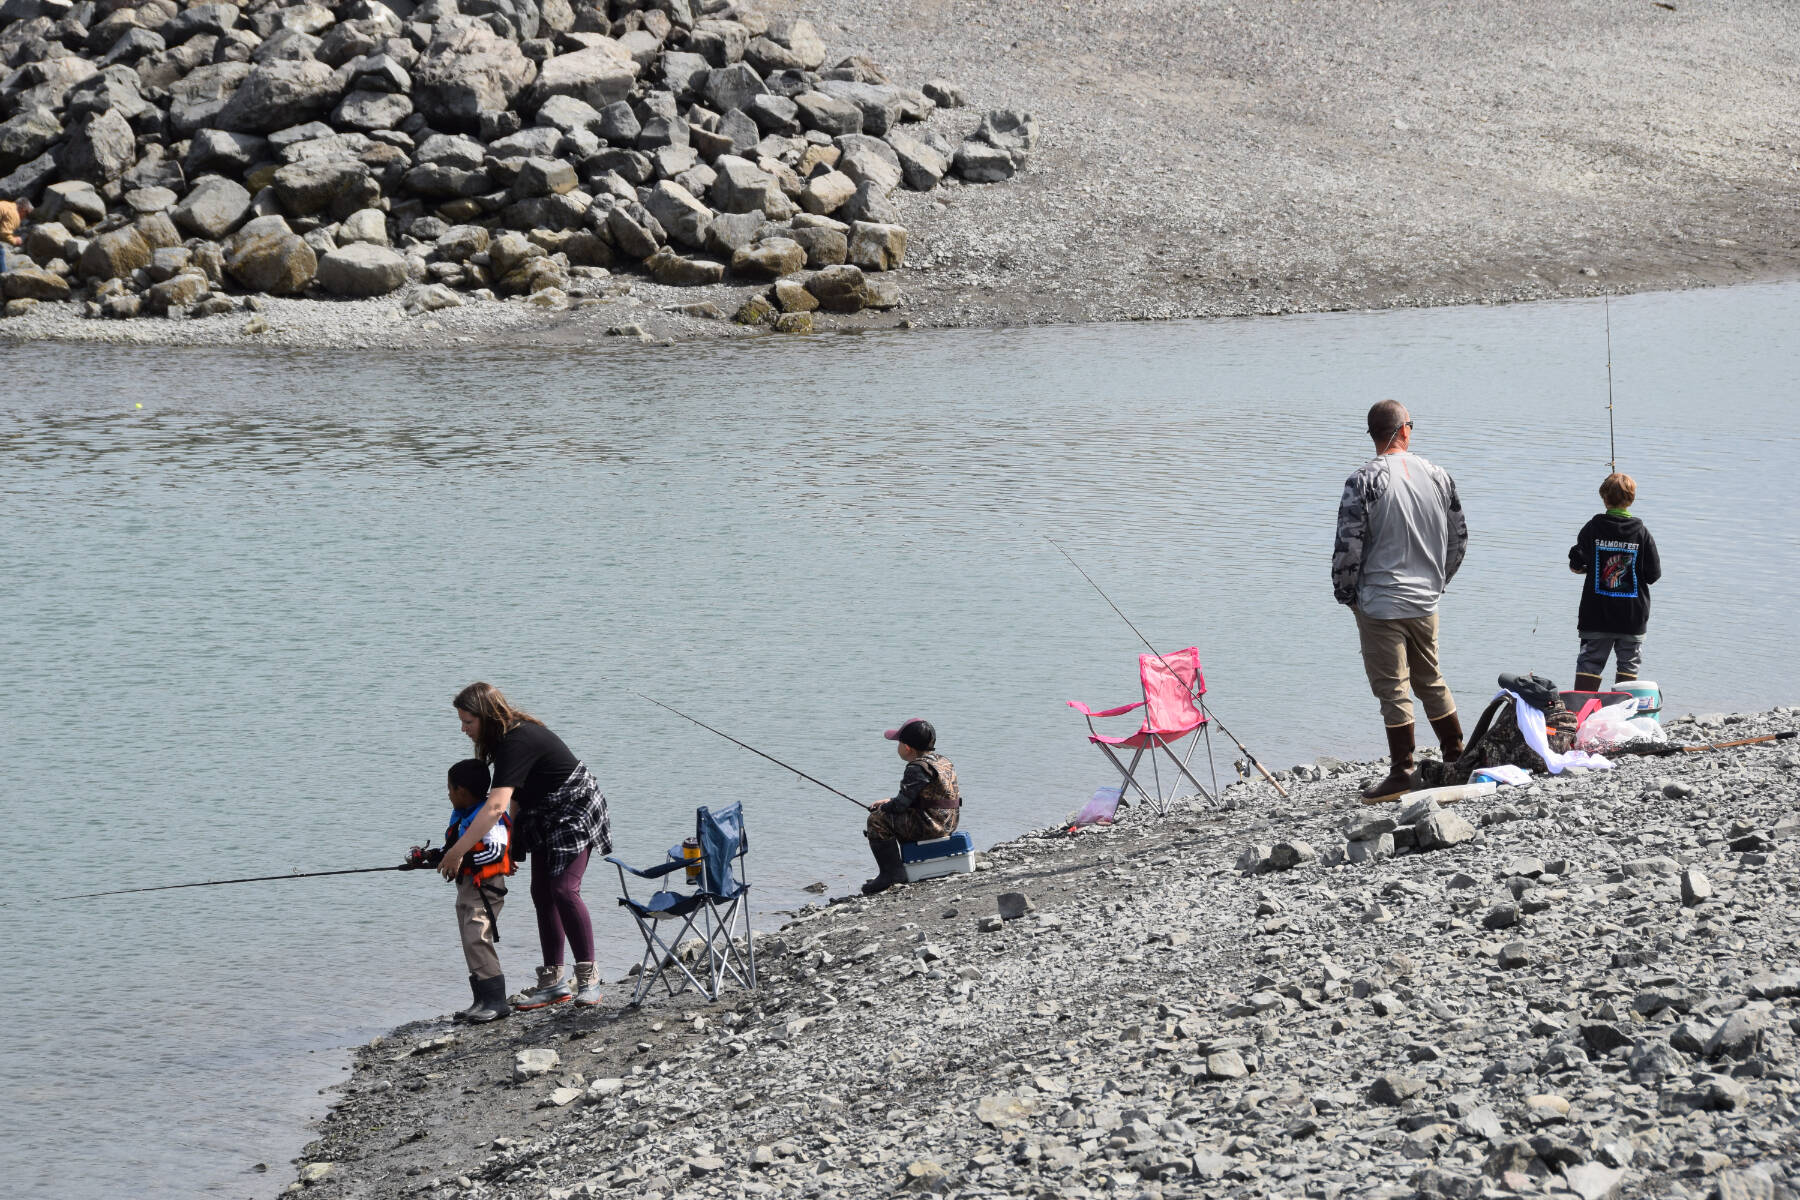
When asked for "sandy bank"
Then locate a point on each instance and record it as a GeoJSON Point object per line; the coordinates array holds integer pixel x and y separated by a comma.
{"type": "Point", "coordinates": [1550, 1005]}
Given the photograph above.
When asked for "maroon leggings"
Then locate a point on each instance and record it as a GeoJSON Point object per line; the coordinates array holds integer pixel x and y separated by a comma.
{"type": "Point", "coordinates": [561, 910]}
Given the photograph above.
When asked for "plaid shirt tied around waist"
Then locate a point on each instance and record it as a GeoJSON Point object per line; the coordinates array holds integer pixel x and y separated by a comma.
{"type": "Point", "coordinates": [573, 818]}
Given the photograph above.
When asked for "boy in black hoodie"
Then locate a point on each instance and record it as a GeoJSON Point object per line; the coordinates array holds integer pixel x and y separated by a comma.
{"type": "Point", "coordinates": [1618, 557]}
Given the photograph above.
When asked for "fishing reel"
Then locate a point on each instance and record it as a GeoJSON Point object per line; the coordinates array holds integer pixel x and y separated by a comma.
{"type": "Point", "coordinates": [426, 856]}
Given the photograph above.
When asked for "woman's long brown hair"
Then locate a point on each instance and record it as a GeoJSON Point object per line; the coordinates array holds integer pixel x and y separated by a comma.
{"type": "Point", "coordinates": [498, 718]}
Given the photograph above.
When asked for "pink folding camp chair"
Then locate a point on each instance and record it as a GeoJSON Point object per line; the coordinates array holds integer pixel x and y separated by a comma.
{"type": "Point", "coordinates": [1172, 690]}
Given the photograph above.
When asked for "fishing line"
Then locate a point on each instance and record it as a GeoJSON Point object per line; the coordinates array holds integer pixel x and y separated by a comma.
{"type": "Point", "coordinates": [754, 750]}
{"type": "Point", "coordinates": [1612, 448]}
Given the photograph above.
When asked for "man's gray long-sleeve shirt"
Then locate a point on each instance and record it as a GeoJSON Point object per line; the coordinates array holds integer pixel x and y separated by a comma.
{"type": "Point", "coordinates": [1400, 537]}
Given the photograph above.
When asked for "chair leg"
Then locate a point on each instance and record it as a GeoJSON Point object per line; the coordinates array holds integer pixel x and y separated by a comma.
{"type": "Point", "coordinates": [1181, 765]}
{"type": "Point", "coordinates": [1127, 771]}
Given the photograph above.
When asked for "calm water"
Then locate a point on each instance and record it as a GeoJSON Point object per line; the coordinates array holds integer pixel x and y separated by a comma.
{"type": "Point", "coordinates": [235, 618]}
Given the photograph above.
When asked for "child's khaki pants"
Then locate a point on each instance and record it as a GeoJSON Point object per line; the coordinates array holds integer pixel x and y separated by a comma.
{"type": "Point", "coordinates": [477, 931]}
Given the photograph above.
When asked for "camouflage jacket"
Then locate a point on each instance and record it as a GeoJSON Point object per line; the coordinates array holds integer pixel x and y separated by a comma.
{"type": "Point", "coordinates": [929, 782]}
{"type": "Point", "coordinates": [1415, 571]}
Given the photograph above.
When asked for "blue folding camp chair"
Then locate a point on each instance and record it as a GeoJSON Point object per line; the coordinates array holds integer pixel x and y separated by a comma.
{"type": "Point", "coordinates": [717, 911]}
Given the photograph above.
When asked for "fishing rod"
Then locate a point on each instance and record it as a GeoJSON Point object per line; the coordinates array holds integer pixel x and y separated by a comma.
{"type": "Point", "coordinates": [1612, 448]}
{"type": "Point", "coordinates": [754, 750]}
{"type": "Point", "coordinates": [1198, 699]}
{"type": "Point", "coordinates": [169, 887]}
{"type": "Point", "coordinates": [1667, 750]}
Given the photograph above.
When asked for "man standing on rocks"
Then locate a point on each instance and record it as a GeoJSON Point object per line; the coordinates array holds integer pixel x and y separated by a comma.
{"type": "Point", "coordinates": [1400, 538]}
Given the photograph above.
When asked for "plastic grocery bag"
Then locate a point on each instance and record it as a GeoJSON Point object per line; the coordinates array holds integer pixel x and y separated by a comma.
{"type": "Point", "coordinates": [1100, 809]}
{"type": "Point", "coordinates": [1617, 725]}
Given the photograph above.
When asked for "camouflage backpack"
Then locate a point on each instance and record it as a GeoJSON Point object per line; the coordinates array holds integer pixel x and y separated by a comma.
{"type": "Point", "coordinates": [1497, 741]}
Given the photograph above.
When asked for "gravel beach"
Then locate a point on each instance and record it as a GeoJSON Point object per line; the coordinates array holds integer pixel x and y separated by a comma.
{"type": "Point", "coordinates": [1210, 159]}
{"type": "Point", "coordinates": [1588, 988]}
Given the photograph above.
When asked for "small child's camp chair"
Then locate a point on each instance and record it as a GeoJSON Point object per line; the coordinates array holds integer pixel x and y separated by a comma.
{"type": "Point", "coordinates": [1172, 686]}
{"type": "Point", "coordinates": [717, 911]}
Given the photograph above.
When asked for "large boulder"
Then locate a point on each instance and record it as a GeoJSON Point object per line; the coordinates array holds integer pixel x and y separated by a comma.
{"type": "Point", "coordinates": [74, 203]}
{"type": "Point", "coordinates": [367, 110]}
{"type": "Point", "coordinates": [732, 87]}
{"type": "Point", "coordinates": [340, 186]}
{"type": "Point", "coordinates": [869, 160]}
{"type": "Point", "coordinates": [742, 186]}
{"type": "Point", "coordinates": [215, 150]}
{"type": "Point", "coordinates": [666, 266]}
{"type": "Point", "coordinates": [361, 269]}
{"type": "Point", "coordinates": [364, 225]}
{"type": "Point", "coordinates": [770, 259]}
{"type": "Point", "coordinates": [34, 283]}
{"type": "Point", "coordinates": [114, 255]}
{"type": "Point", "coordinates": [600, 75]}
{"type": "Point", "coordinates": [278, 94]}
{"type": "Point", "coordinates": [178, 292]}
{"type": "Point", "coordinates": [27, 135]}
{"type": "Point", "coordinates": [27, 179]}
{"type": "Point", "coordinates": [273, 260]}
{"type": "Point", "coordinates": [827, 192]}
{"type": "Point", "coordinates": [100, 149]}
{"type": "Point", "coordinates": [48, 241]}
{"type": "Point", "coordinates": [684, 218]}
{"type": "Point", "coordinates": [830, 115]}
{"type": "Point", "coordinates": [878, 103]}
{"type": "Point", "coordinates": [157, 230]}
{"type": "Point", "coordinates": [213, 207]}
{"type": "Point", "coordinates": [197, 99]}
{"type": "Point", "coordinates": [979, 162]}
{"type": "Point", "coordinates": [921, 165]}
{"type": "Point", "coordinates": [875, 247]}
{"type": "Point", "coordinates": [798, 37]}
{"type": "Point", "coordinates": [841, 289]}
{"type": "Point", "coordinates": [684, 74]}
{"type": "Point", "coordinates": [466, 70]}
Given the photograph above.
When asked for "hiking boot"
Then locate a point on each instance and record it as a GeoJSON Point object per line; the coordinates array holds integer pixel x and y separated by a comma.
{"type": "Point", "coordinates": [889, 869]}
{"type": "Point", "coordinates": [587, 984]}
{"type": "Point", "coordinates": [1449, 736]}
{"type": "Point", "coordinates": [1399, 779]}
{"type": "Point", "coordinates": [1586, 683]}
{"type": "Point", "coordinates": [490, 1001]}
{"type": "Point", "coordinates": [552, 988]}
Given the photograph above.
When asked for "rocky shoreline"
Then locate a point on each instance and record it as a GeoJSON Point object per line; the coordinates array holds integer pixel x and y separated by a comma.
{"type": "Point", "coordinates": [1251, 158]}
{"type": "Point", "coordinates": [1588, 987]}
{"type": "Point", "coordinates": [192, 160]}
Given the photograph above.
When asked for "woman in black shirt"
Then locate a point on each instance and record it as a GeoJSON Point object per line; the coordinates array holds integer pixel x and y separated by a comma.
{"type": "Point", "coordinates": [558, 814]}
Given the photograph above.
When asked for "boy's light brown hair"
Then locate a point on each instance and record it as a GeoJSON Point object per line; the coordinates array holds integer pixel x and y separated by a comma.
{"type": "Point", "coordinates": [1618, 490]}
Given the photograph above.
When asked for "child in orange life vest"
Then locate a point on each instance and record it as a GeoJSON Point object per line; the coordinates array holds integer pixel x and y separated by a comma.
{"type": "Point", "coordinates": [480, 891]}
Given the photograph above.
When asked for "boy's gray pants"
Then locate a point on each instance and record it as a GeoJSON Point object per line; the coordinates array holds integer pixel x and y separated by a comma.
{"type": "Point", "coordinates": [1627, 649]}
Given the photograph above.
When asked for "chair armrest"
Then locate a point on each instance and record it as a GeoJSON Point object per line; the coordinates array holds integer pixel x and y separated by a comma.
{"type": "Point", "coordinates": [1085, 711]}
{"type": "Point", "coordinates": [656, 872]}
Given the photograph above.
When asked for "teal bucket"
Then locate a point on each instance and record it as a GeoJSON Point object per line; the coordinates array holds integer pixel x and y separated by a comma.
{"type": "Point", "coordinates": [1649, 697]}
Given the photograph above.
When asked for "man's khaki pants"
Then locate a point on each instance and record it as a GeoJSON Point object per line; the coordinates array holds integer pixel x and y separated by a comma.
{"type": "Point", "coordinates": [1400, 652]}
{"type": "Point", "coordinates": [477, 931]}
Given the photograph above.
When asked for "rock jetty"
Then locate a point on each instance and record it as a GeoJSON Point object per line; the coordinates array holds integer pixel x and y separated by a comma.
{"type": "Point", "coordinates": [1588, 988]}
{"type": "Point", "coordinates": [184, 156]}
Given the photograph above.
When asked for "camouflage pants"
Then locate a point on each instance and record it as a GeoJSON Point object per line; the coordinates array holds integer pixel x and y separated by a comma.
{"type": "Point", "coordinates": [911, 825]}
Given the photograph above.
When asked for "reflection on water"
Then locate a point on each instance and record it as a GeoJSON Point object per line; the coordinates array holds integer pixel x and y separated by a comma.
{"type": "Point", "coordinates": [237, 616]}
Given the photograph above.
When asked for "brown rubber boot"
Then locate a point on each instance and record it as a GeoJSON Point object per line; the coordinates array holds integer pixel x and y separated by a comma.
{"type": "Point", "coordinates": [1399, 779]}
{"type": "Point", "coordinates": [1449, 736]}
{"type": "Point", "coordinates": [1586, 683]}
{"type": "Point", "coordinates": [1618, 679]}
